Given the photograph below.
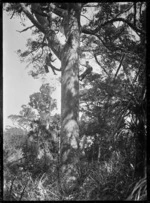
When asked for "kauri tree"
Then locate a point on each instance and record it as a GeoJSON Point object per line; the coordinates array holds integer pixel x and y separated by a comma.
{"type": "Point", "coordinates": [101, 36]}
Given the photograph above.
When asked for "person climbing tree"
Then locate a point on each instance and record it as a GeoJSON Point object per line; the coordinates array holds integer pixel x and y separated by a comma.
{"type": "Point", "coordinates": [86, 72]}
{"type": "Point", "coordinates": [48, 61]}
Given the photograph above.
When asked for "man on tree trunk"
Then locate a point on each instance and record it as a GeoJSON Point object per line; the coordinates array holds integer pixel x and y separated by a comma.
{"type": "Point", "coordinates": [86, 72]}
{"type": "Point", "coordinates": [49, 22]}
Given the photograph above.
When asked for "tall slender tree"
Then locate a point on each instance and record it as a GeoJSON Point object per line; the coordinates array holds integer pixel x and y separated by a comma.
{"type": "Point", "coordinates": [101, 36]}
{"type": "Point", "coordinates": [68, 18]}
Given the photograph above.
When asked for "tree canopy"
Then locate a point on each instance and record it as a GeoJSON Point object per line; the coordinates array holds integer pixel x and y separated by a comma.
{"type": "Point", "coordinates": [99, 140]}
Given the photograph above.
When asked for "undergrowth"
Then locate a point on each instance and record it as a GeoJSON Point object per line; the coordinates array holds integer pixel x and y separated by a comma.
{"type": "Point", "coordinates": [103, 181]}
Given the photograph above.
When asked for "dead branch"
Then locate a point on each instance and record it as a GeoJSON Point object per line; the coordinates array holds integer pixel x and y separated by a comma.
{"type": "Point", "coordinates": [100, 64]}
{"type": "Point", "coordinates": [25, 29]}
{"type": "Point", "coordinates": [119, 65]}
{"type": "Point", "coordinates": [85, 17]}
{"type": "Point", "coordinates": [54, 68]}
{"type": "Point", "coordinates": [13, 14]}
{"type": "Point", "coordinates": [23, 191]}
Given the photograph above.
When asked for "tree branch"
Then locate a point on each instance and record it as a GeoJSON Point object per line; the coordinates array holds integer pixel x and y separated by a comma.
{"type": "Point", "coordinates": [88, 31]}
{"type": "Point", "coordinates": [134, 94]}
{"type": "Point", "coordinates": [111, 49]}
{"type": "Point", "coordinates": [125, 21]}
{"type": "Point", "coordinates": [55, 45]}
{"type": "Point", "coordinates": [25, 29]}
{"type": "Point", "coordinates": [119, 66]}
{"type": "Point", "coordinates": [31, 18]}
{"type": "Point", "coordinates": [100, 64]}
{"type": "Point", "coordinates": [58, 11]}
{"type": "Point", "coordinates": [107, 47]}
{"type": "Point", "coordinates": [85, 17]}
{"type": "Point", "coordinates": [13, 14]}
{"type": "Point", "coordinates": [22, 193]}
{"type": "Point", "coordinates": [53, 42]}
{"type": "Point", "coordinates": [124, 11]}
{"type": "Point", "coordinates": [53, 67]}
{"type": "Point", "coordinates": [139, 70]}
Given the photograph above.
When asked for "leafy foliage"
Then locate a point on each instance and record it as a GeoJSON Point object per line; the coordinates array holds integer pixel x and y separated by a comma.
{"type": "Point", "coordinates": [113, 114]}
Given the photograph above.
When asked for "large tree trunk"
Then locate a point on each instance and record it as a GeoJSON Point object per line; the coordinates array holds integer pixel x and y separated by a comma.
{"type": "Point", "coordinates": [69, 56]}
{"type": "Point", "coordinates": [70, 103]}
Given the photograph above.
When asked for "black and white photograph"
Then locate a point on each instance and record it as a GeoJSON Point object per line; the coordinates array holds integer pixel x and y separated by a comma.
{"type": "Point", "coordinates": [74, 101]}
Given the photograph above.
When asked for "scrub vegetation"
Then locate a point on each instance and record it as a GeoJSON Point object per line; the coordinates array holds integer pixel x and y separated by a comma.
{"type": "Point", "coordinates": [96, 148]}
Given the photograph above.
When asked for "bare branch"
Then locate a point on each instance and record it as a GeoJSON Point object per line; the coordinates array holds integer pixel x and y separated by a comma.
{"type": "Point", "coordinates": [125, 21]}
{"type": "Point", "coordinates": [53, 67]}
{"type": "Point", "coordinates": [119, 65]}
{"type": "Point", "coordinates": [22, 193]}
{"type": "Point", "coordinates": [86, 17]}
{"type": "Point", "coordinates": [13, 14]}
{"type": "Point", "coordinates": [25, 29]}
{"type": "Point", "coordinates": [44, 44]}
{"type": "Point", "coordinates": [100, 64]}
{"type": "Point", "coordinates": [89, 31]}
{"type": "Point", "coordinates": [137, 73]}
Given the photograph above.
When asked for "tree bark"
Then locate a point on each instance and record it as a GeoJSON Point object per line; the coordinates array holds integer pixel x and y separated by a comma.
{"type": "Point", "coordinates": [70, 103]}
{"type": "Point", "coordinates": [69, 56]}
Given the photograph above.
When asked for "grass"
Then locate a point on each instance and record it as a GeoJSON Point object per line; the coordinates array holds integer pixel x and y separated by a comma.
{"type": "Point", "coordinates": [104, 181]}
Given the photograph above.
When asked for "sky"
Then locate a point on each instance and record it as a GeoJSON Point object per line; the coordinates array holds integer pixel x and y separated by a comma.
{"type": "Point", "coordinates": [17, 84]}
